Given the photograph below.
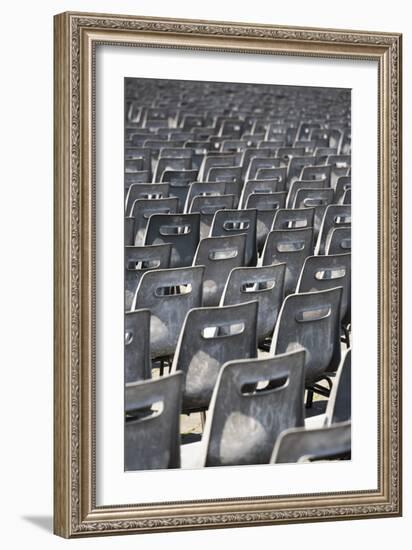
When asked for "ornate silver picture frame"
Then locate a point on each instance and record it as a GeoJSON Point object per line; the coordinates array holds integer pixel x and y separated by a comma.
{"type": "Point", "coordinates": [77, 511]}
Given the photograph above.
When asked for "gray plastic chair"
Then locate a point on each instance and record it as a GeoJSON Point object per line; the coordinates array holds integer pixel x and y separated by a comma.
{"type": "Point", "coordinates": [259, 186]}
{"type": "Point", "coordinates": [215, 161]}
{"type": "Point", "coordinates": [342, 184]}
{"type": "Point", "coordinates": [133, 165]}
{"type": "Point", "coordinates": [228, 174]}
{"type": "Point", "coordinates": [167, 163]}
{"type": "Point", "coordinates": [319, 199]}
{"type": "Point", "coordinates": [204, 189]}
{"type": "Point", "coordinates": [145, 191]}
{"type": "Point", "coordinates": [303, 445]}
{"type": "Point", "coordinates": [294, 218]}
{"type": "Point", "coordinates": [339, 241]}
{"type": "Point", "coordinates": [219, 255]}
{"type": "Point", "coordinates": [257, 163]}
{"type": "Point", "coordinates": [143, 176]}
{"type": "Point", "coordinates": [318, 173]}
{"type": "Point", "coordinates": [254, 401]}
{"type": "Point", "coordinates": [137, 364]}
{"type": "Point", "coordinates": [289, 246]}
{"type": "Point", "coordinates": [181, 230]}
{"type": "Point", "coordinates": [207, 206]}
{"type": "Point", "coordinates": [341, 165]}
{"type": "Point", "coordinates": [297, 185]}
{"type": "Point", "coordinates": [152, 425]}
{"type": "Point", "coordinates": [235, 222]}
{"type": "Point", "coordinates": [142, 209]}
{"type": "Point", "coordinates": [339, 407]}
{"type": "Point", "coordinates": [311, 321]}
{"type": "Point", "coordinates": [266, 205]}
{"type": "Point", "coordinates": [324, 272]}
{"type": "Point", "coordinates": [346, 198]}
{"type": "Point", "coordinates": [138, 260]}
{"type": "Point", "coordinates": [210, 337]}
{"type": "Point", "coordinates": [169, 294]}
{"type": "Point", "coordinates": [336, 215]}
{"type": "Point", "coordinates": [179, 181]}
{"type": "Point", "coordinates": [129, 231]}
{"type": "Point", "coordinates": [296, 165]}
{"type": "Point", "coordinates": [264, 284]}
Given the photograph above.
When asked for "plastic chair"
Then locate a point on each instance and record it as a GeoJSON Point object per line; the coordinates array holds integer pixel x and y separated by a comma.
{"type": "Point", "coordinates": [297, 185]}
{"type": "Point", "coordinates": [138, 260]}
{"type": "Point", "coordinates": [259, 186]}
{"type": "Point", "coordinates": [143, 176]}
{"type": "Point", "coordinates": [293, 218]}
{"type": "Point", "coordinates": [342, 184]}
{"type": "Point", "coordinates": [311, 321]}
{"type": "Point", "coordinates": [152, 425]}
{"type": "Point", "coordinates": [207, 206]}
{"type": "Point", "coordinates": [254, 401]}
{"type": "Point", "coordinates": [210, 337]}
{"type": "Point", "coordinates": [336, 215]}
{"type": "Point", "coordinates": [303, 445]}
{"type": "Point", "coordinates": [318, 173]}
{"type": "Point", "coordinates": [264, 284]}
{"type": "Point", "coordinates": [319, 199]}
{"type": "Point", "coordinates": [142, 209]}
{"type": "Point", "coordinates": [266, 205]}
{"type": "Point", "coordinates": [203, 189]}
{"type": "Point", "coordinates": [219, 255]}
{"type": "Point", "coordinates": [235, 222]}
{"type": "Point", "coordinates": [181, 230]}
{"type": "Point", "coordinates": [169, 294]}
{"type": "Point", "coordinates": [289, 246]}
{"type": "Point", "coordinates": [339, 241]}
{"type": "Point", "coordinates": [325, 272]}
{"type": "Point", "coordinates": [137, 364]}
{"type": "Point", "coordinates": [144, 191]}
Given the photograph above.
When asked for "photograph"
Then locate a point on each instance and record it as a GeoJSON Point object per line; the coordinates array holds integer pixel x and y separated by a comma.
{"type": "Point", "coordinates": [237, 274]}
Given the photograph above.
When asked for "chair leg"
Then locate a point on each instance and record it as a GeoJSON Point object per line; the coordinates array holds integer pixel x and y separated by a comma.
{"type": "Point", "coordinates": [203, 419]}
{"type": "Point", "coordinates": [309, 399]}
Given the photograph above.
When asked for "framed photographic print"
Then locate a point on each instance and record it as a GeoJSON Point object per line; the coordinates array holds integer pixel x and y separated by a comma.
{"type": "Point", "coordinates": [217, 274]}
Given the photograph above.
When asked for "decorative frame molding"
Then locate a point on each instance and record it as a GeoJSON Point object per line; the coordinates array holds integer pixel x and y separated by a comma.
{"type": "Point", "coordinates": [75, 38]}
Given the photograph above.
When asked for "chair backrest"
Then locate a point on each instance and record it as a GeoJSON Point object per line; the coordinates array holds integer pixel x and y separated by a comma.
{"type": "Point", "coordinates": [219, 255]}
{"type": "Point", "coordinates": [343, 183]}
{"type": "Point", "coordinates": [204, 188]}
{"type": "Point", "coordinates": [181, 230]}
{"type": "Point", "coordinates": [137, 364]}
{"type": "Point", "coordinates": [207, 206]}
{"type": "Point", "coordinates": [145, 191]}
{"type": "Point", "coordinates": [293, 218]}
{"type": "Point", "coordinates": [129, 231]}
{"type": "Point", "coordinates": [311, 321]}
{"type": "Point", "coordinates": [304, 445]}
{"type": "Point", "coordinates": [336, 215]}
{"type": "Point", "coordinates": [138, 260]}
{"type": "Point", "coordinates": [319, 199]}
{"type": "Point", "coordinates": [289, 246]}
{"type": "Point", "coordinates": [259, 186]}
{"type": "Point", "coordinates": [267, 205]}
{"type": "Point", "coordinates": [347, 197]}
{"type": "Point", "coordinates": [143, 176]}
{"type": "Point", "coordinates": [236, 222]}
{"type": "Point", "coordinates": [340, 400]}
{"type": "Point", "coordinates": [152, 425]}
{"type": "Point", "coordinates": [264, 284]}
{"type": "Point", "coordinates": [142, 209]}
{"type": "Point", "coordinates": [167, 163]}
{"type": "Point", "coordinates": [210, 337]}
{"type": "Point", "coordinates": [179, 182]}
{"type": "Point", "coordinates": [228, 174]}
{"type": "Point", "coordinates": [317, 173]}
{"type": "Point", "coordinates": [297, 185]}
{"type": "Point", "coordinates": [253, 402]}
{"type": "Point", "coordinates": [258, 163]}
{"type": "Point", "coordinates": [324, 272]}
{"type": "Point", "coordinates": [296, 165]}
{"type": "Point", "coordinates": [169, 294]}
{"type": "Point", "coordinates": [339, 241]}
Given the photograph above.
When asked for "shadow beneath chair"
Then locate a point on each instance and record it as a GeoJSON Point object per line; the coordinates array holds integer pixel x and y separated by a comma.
{"type": "Point", "coordinates": [190, 438]}
{"type": "Point", "coordinates": [318, 407]}
{"type": "Point", "coordinates": [43, 522]}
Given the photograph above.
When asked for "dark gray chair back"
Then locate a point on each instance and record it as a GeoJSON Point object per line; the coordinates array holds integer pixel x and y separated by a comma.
{"type": "Point", "coordinates": [169, 294]}
{"type": "Point", "coordinates": [294, 218]}
{"type": "Point", "coordinates": [143, 176]}
{"type": "Point", "coordinates": [152, 426]}
{"type": "Point", "coordinates": [207, 206]}
{"type": "Point", "coordinates": [145, 191]}
{"type": "Point", "coordinates": [266, 205]}
{"type": "Point", "coordinates": [257, 163]}
{"type": "Point", "coordinates": [204, 188]}
{"type": "Point", "coordinates": [259, 186]}
{"type": "Point", "coordinates": [297, 185]}
{"type": "Point", "coordinates": [137, 365]}
{"type": "Point", "coordinates": [181, 230]}
{"type": "Point", "coordinates": [264, 284]}
{"type": "Point", "coordinates": [311, 321]}
{"type": "Point", "coordinates": [235, 222]}
{"type": "Point", "coordinates": [129, 231]}
{"type": "Point", "coordinates": [253, 402]}
{"type": "Point", "coordinates": [342, 184]}
{"type": "Point", "coordinates": [289, 246]}
{"type": "Point", "coordinates": [142, 209]}
{"type": "Point", "coordinates": [340, 400]}
{"type": "Point", "coordinates": [324, 272]}
{"type": "Point", "coordinates": [210, 337]}
{"type": "Point", "coordinates": [219, 255]}
{"type": "Point", "coordinates": [339, 241]}
{"type": "Point", "coordinates": [138, 260]}
{"type": "Point", "coordinates": [318, 173]}
{"type": "Point", "coordinates": [314, 198]}
{"type": "Point", "coordinates": [167, 163]}
{"type": "Point", "coordinates": [336, 215]}
{"type": "Point", "coordinates": [296, 165]}
{"type": "Point", "coordinates": [307, 445]}
{"type": "Point", "coordinates": [179, 181]}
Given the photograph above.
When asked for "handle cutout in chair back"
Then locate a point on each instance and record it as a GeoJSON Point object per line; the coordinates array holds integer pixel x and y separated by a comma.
{"type": "Point", "coordinates": [287, 246]}
{"type": "Point", "coordinates": [145, 412]}
{"type": "Point", "coordinates": [223, 330]}
{"type": "Point", "coordinates": [308, 202]}
{"type": "Point", "coordinates": [128, 337]}
{"type": "Point", "coordinates": [173, 290]}
{"type": "Point", "coordinates": [223, 254]}
{"type": "Point", "coordinates": [264, 386]}
{"type": "Point", "coordinates": [342, 219]}
{"type": "Point", "coordinates": [313, 314]}
{"type": "Point", "coordinates": [329, 274]}
{"type": "Point", "coordinates": [181, 229]}
{"type": "Point", "coordinates": [346, 244]}
{"type": "Point", "coordinates": [236, 225]}
{"type": "Point", "coordinates": [132, 265]}
{"type": "Point", "coordinates": [257, 286]}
